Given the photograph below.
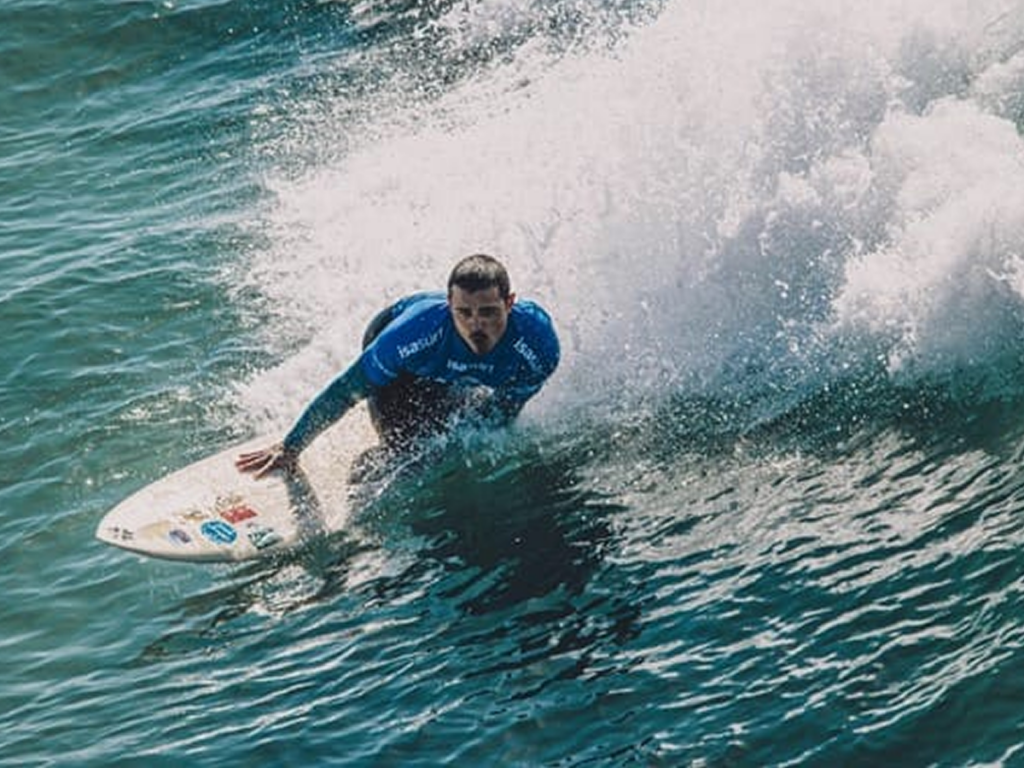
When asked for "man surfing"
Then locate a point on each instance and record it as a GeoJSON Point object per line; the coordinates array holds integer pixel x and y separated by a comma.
{"type": "Point", "coordinates": [429, 358]}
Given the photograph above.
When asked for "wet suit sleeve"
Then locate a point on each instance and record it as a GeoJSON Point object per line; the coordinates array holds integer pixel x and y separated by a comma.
{"type": "Point", "coordinates": [329, 406]}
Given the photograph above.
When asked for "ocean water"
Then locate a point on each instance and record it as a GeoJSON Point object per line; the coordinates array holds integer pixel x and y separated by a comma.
{"type": "Point", "coordinates": [769, 511]}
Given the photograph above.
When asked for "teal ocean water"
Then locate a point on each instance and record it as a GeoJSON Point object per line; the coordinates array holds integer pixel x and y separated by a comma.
{"type": "Point", "coordinates": [770, 510]}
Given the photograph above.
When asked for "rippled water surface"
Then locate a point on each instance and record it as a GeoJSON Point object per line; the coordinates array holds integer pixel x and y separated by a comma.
{"type": "Point", "coordinates": [766, 513]}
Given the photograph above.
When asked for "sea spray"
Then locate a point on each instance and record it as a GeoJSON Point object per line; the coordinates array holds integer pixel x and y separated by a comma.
{"type": "Point", "coordinates": [765, 198]}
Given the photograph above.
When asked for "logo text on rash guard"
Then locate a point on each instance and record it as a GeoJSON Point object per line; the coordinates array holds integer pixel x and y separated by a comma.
{"type": "Point", "coordinates": [418, 345]}
{"type": "Point", "coordinates": [528, 354]}
{"type": "Point", "coordinates": [460, 367]}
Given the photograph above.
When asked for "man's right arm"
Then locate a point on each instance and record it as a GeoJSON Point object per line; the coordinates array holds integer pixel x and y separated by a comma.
{"type": "Point", "coordinates": [329, 406]}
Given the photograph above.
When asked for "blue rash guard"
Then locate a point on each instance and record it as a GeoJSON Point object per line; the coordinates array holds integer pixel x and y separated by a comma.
{"type": "Point", "coordinates": [419, 342]}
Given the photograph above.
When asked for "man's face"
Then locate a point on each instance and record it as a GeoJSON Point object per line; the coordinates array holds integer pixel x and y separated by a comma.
{"type": "Point", "coordinates": [480, 316]}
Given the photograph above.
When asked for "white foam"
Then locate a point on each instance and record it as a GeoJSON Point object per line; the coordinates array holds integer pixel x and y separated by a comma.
{"type": "Point", "coordinates": [944, 284]}
{"type": "Point", "coordinates": [728, 190]}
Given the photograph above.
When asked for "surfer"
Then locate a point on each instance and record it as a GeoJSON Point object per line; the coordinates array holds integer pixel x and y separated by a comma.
{"type": "Point", "coordinates": [431, 357]}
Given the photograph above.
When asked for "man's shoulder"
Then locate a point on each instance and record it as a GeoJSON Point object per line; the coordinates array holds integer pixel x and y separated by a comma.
{"type": "Point", "coordinates": [533, 321]}
{"type": "Point", "coordinates": [533, 315]}
{"type": "Point", "coordinates": [416, 314]}
{"type": "Point", "coordinates": [419, 325]}
{"type": "Point", "coordinates": [415, 304]}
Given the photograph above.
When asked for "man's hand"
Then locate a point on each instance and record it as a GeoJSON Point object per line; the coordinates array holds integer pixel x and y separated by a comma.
{"type": "Point", "coordinates": [264, 461]}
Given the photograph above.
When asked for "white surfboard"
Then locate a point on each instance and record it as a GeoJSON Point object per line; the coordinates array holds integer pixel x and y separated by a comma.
{"type": "Point", "coordinates": [211, 512]}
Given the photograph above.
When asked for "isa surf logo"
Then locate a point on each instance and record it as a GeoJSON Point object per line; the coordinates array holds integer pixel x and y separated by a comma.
{"type": "Point", "coordinates": [218, 532]}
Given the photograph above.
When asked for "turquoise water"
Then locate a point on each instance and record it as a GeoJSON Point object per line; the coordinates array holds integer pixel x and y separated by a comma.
{"type": "Point", "coordinates": [768, 512]}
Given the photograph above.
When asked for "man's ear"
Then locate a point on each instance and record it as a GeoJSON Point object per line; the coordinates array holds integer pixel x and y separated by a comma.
{"type": "Point", "coordinates": [510, 301]}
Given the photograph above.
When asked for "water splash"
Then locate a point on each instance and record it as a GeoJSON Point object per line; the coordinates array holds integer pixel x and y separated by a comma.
{"type": "Point", "coordinates": [770, 193]}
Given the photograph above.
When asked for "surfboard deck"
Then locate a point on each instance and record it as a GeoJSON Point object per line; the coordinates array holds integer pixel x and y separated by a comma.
{"type": "Point", "coordinates": [210, 512]}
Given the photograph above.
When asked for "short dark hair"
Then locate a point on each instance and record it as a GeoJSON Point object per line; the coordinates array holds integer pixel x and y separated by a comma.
{"type": "Point", "coordinates": [478, 273]}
